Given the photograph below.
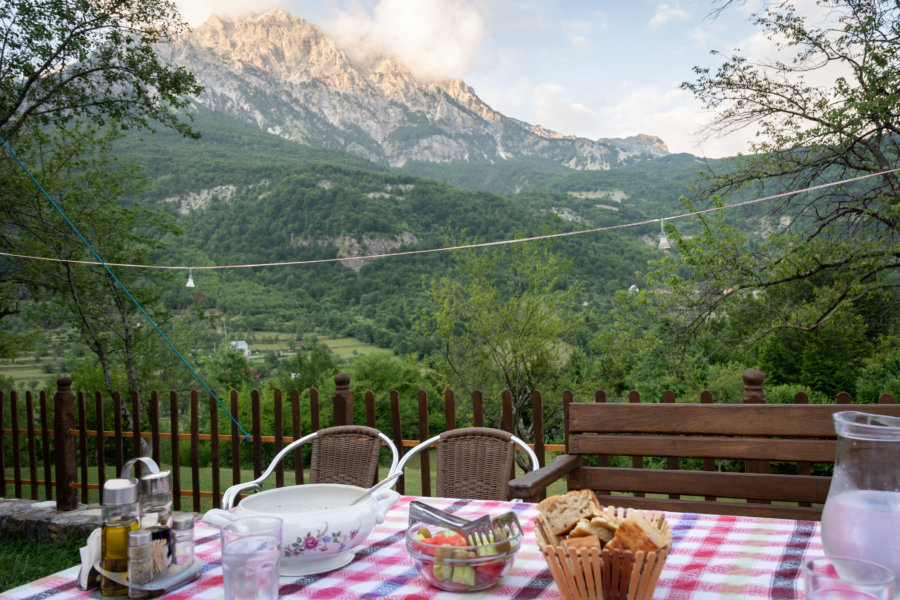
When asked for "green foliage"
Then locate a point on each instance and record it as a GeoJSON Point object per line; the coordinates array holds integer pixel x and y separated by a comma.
{"type": "Point", "coordinates": [826, 252]}
{"type": "Point", "coordinates": [502, 320]}
{"type": "Point", "coordinates": [66, 60]}
{"type": "Point", "coordinates": [73, 75]}
{"type": "Point", "coordinates": [804, 287]}
{"type": "Point", "coordinates": [804, 292]}
{"type": "Point", "coordinates": [313, 369]}
{"type": "Point", "coordinates": [827, 359]}
{"type": "Point", "coordinates": [382, 373]}
{"type": "Point", "coordinates": [230, 369]}
{"type": "Point", "coordinates": [724, 382]}
{"type": "Point", "coordinates": [880, 372]}
{"type": "Point", "coordinates": [784, 394]}
{"type": "Point", "coordinates": [77, 164]}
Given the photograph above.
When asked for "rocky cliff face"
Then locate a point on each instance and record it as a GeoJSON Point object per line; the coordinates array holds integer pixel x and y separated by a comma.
{"type": "Point", "coordinates": [283, 74]}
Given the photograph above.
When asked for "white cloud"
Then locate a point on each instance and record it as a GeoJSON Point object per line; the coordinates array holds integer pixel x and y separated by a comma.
{"type": "Point", "coordinates": [666, 13]}
{"type": "Point", "coordinates": [672, 115]}
{"type": "Point", "coordinates": [196, 12]}
{"type": "Point", "coordinates": [554, 111]}
{"type": "Point", "coordinates": [434, 38]}
{"type": "Point", "coordinates": [580, 42]}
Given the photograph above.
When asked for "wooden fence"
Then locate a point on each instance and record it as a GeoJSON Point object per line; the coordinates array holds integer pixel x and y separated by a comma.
{"type": "Point", "coordinates": [65, 463]}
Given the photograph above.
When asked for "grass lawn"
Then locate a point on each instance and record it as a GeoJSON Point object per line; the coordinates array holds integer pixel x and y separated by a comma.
{"type": "Point", "coordinates": [342, 347]}
{"type": "Point", "coordinates": [27, 560]}
{"type": "Point", "coordinates": [25, 370]}
{"type": "Point", "coordinates": [348, 347]}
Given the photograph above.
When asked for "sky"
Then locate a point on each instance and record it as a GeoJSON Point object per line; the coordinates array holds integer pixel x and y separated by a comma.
{"type": "Point", "coordinates": [589, 68]}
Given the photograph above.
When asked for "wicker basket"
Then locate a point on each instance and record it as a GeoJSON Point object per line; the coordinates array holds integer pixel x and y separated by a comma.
{"type": "Point", "coordinates": [589, 573]}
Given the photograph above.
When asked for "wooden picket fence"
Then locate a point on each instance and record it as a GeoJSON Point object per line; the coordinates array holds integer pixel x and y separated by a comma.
{"type": "Point", "coordinates": [67, 470]}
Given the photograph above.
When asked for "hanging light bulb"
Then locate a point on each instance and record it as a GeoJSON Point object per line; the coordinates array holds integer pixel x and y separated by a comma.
{"type": "Point", "coordinates": [190, 281]}
{"type": "Point", "coordinates": [663, 238]}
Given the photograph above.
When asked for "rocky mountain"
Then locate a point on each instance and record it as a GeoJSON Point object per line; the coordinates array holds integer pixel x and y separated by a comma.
{"type": "Point", "coordinates": [286, 76]}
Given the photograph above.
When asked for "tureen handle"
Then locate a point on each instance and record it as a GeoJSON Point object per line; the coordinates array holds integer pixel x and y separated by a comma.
{"type": "Point", "coordinates": [385, 500]}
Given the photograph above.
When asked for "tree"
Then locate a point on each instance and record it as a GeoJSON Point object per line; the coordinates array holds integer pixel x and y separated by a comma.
{"type": "Point", "coordinates": [502, 320]}
{"type": "Point", "coordinates": [64, 60]}
{"type": "Point", "coordinates": [66, 63]}
{"type": "Point", "coordinates": [313, 369]}
{"type": "Point", "coordinates": [230, 369]}
{"type": "Point", "coordinates": [381, 372]}
{"type": "Point", "coordinates": [826, 110]}
{"type": "Point", "coordinates": [72, 74]}
{"type": "Point", "coordinates": [79, 162]}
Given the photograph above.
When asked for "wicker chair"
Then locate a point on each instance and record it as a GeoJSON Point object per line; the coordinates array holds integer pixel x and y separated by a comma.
{"type": "Point", "coordinates": [346, 454]}
{"type": "Point", "coordinates": [473, 462]}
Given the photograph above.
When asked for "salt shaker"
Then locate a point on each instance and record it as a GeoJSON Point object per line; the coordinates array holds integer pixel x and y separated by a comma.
{"type": "Point", "coordinates": [183, 530]}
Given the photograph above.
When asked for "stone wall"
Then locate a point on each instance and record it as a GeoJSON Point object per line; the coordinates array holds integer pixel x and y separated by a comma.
{"type": "Point", "coordinates": [41, 521]}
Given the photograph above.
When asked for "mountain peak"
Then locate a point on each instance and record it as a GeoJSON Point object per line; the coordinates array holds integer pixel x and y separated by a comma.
{"type": "Point", "coordinates": [284, 74]}
{"type": "Point", "coordinates": [640, 144]}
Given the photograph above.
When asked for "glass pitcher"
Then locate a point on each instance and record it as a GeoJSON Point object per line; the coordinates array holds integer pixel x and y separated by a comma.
{"type": "Point", "coordinates": [861, 518]}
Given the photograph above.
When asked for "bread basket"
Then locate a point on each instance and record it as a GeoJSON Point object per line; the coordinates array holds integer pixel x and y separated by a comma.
{"type": "Point", "coordinates": [591, 573]}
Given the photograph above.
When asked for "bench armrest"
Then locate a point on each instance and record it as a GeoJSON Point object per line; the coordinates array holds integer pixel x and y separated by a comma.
{"type": "Point", "coordinates": [533, 486]}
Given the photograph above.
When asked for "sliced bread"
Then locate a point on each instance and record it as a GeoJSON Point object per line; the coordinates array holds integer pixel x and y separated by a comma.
{"type": "Point", "coordinates": [563, 512]}
{"type": "Point", "coordinates": [600, 524]}
{"type": "Point", "coordinates": [636, 533]}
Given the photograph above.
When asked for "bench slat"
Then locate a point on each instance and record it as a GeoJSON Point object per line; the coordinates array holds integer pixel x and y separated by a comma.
{"type": "Point", "coordinates": [749, 486]}
{"type": "Point", "coordinates": [706, 447]}
{"type": "Point", "coordinates": [791, 420]}
{"type": "Point", "coordinates": [757, 434]}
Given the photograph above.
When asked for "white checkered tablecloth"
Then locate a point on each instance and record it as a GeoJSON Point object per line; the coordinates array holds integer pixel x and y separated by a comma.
{"type": "Point", "coordinates": [712, 557]}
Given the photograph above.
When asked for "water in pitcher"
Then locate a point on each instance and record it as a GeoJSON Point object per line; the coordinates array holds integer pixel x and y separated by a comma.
{"type": "Point", "coordinates": [863, 524]}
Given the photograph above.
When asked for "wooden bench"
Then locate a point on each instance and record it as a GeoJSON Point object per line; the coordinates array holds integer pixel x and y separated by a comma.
{"type": "Point", "coordinates": [758, 435]}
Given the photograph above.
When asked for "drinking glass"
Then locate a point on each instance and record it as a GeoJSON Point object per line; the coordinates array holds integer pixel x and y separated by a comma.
{"type": "Point", "coordinates": [251, 550]}
{"type": "Point", "coordinates": [844, 578]}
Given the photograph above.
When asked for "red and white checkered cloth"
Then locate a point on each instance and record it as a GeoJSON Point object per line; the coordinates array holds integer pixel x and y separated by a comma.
{"type": "Point", "coordinates": [712, 557]}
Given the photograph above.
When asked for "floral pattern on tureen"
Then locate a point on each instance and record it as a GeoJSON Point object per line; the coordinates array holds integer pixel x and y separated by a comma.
{"type": "Point", "coordinates": [319, 541]}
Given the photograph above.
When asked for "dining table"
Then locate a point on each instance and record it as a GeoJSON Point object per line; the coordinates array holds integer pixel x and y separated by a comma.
{"type": "Point", "coordinates": [712, 556]}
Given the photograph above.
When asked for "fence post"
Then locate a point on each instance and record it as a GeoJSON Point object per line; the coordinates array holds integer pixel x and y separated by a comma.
{"type": "Point", "coordinates": [753, 387]}
{"type": "Point", "coordinates": [342, 401]}
{"type": "Point", "coordinates": [64, 444]}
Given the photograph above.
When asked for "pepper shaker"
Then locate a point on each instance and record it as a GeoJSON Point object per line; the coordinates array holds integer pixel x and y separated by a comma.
{"type": "Point", "coordinates": [140, 561]}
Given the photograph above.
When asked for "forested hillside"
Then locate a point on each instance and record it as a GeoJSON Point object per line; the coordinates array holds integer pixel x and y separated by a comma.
{"type": "Point", "coordinates": [293, 203]}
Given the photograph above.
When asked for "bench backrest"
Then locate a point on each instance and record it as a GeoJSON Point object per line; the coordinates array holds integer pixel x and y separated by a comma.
{"type": "Point", "coordinates": [781, 446]}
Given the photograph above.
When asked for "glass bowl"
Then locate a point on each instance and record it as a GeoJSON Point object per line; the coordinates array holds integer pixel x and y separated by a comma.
{"type": "Point", "coordinates": [460, 568]}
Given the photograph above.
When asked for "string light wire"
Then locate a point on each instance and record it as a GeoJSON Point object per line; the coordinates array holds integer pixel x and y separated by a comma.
{"type": "Point", "coordinates": [121, 285]}
{"type": "Point", "coordinates": [463, 246]}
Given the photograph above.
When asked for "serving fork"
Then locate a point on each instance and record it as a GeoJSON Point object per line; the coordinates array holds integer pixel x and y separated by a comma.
{"type": "Point", "coordinates": [483, 530]}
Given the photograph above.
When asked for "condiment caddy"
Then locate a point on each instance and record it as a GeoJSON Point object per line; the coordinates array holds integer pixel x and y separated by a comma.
{"type": "Point", "coordinates": [144, 549]}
